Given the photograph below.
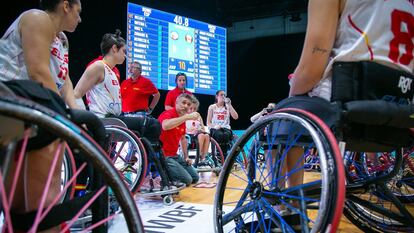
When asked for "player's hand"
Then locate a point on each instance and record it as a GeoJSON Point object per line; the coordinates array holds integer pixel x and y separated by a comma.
{"type": "Point", "coordinates": [227, 100]}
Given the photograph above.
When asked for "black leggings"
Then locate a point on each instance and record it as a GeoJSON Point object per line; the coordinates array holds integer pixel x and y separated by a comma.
{"type": "Point", "coordinates": [147, 127]}
{"type": "Point", "coordinates": [223, 137]}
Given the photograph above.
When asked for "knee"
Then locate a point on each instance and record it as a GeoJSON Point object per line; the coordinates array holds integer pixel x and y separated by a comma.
{"type": "Point", "coordinates": [187, 180]}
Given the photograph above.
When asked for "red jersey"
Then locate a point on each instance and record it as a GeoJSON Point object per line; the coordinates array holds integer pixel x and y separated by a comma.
{"type": "Point", "coordinates": [135, 94]}
{"type": "Point", "coordinates": [172, 96]}
{"type": "Point", "coordinates": [171, 138]}
{"type": "Point", "coordinates": [115, 70]}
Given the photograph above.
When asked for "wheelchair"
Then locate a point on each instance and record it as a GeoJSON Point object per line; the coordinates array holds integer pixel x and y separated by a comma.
{"type": "Point", "coordinates": [214, 160]}
{"type": "Point", "coordinates": [21, 119]}
{"type": "Point", "coordinates": [270, 198]}
{"type": "Point", "coordinates": [127, 153]}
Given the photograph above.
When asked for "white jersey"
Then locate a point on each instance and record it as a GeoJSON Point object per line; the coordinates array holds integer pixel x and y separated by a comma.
{"type": "Point", "coordinates": [105, 97]}
{"type": "Point", "coordinates": [221, 116]}
{"type": "Point", "coordinates": [13, 66]}
{"type": "Point", "coordinates": [372, 30]}
{"type": "Point", "coordinates": [192, 126]}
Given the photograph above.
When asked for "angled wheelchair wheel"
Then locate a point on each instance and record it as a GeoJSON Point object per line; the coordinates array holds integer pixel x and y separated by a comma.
{"type": "Point", "coordinates": [269, 197]}
{"type": "Point", "coordinates": [68, 169]}
{"type": "Point", "coordinates": [89, 212]}
{"type": "Point", "coordinates": [128, 155]}
{"type": "Point", "coordinates": [216, 155]}
{"type": "Point", "coordinates": [382, 205]}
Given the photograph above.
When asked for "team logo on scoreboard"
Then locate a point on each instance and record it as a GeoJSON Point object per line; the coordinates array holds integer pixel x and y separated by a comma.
{"type": "Point", "coordinates": [146, 11]}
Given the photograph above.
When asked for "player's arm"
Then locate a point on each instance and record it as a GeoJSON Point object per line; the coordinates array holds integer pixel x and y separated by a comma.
{"type": "Point", "coordinates": [94, 74]}
{"type": "Point", "coordinates": [323, 16]}
{"type": "Point", "coordinates": [68, 93]}
{"type": "Point", "coordinates": [36, 31]}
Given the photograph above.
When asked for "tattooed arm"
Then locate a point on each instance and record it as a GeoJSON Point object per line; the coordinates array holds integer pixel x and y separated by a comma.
{"type": "Point", "coordinates": [323, 16]}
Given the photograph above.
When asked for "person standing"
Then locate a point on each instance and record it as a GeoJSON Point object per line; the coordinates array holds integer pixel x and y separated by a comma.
{"type": "Point", "coordinates": [136, 92]}
{"type": "Point", "coordinates": [181, 82]}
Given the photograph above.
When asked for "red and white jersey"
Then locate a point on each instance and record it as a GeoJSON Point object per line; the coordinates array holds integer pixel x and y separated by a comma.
{"type": "Point", "coordinates": [372, 30]}
{"type": "Point", "coordinates": [13, 66]}
{"type": "Point", "coordinates": [192, 126]}
{"type": "Point", "coordinates": [221, 117]}
{"type": "Point", "coordinates": [105, 97]}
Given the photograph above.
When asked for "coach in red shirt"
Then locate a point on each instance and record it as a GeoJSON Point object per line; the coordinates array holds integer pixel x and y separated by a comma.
{"type": "Point", "coordinates": [173, 128]}
{"type": "Point", "coordinates": [180, 81]}
{"type": "Point", "coordinates": [136, 91]}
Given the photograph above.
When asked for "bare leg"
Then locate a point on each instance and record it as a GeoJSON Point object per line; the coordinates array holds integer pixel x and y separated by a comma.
{"type": "Point", "coordinates": [206, 144]}
{"type": "Point", "coordinates": [32, 180]}
{"type": "Point", "coordinates": [295, 178]}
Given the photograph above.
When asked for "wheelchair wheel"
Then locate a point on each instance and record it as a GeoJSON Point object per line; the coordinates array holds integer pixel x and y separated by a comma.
{"type": "Point", "coordinates": [217, 157]}
{"type": "Point", "coordinates": [128, 155]}
{"type": "Point", "coordinates": [379, 208]}
{"type": "Point", "coordinates": [241, 159]}
{"type": "Point", "coordinates": [80, 212]}
{"type": "Point", "coordinates": [257, 198]}
{"type": "Point", "coordinates": [67, 171]}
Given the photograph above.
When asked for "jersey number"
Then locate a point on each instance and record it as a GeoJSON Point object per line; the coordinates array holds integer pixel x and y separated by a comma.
{"type": "Point", "coordinates": [402, 26]}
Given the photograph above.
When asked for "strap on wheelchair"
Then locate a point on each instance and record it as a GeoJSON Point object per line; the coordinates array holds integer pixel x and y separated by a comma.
{"type": "Point", "coordinates": [57, 215]}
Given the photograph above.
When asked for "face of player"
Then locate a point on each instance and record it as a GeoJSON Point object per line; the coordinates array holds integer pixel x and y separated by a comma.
{"type": "Point", "coordinates": [221, 96]}
{"type": "Point", "coordinates": [72, 15]}
{"type": "Point", "coordinates": [119, 54]}
{"type": "Point", "coordinates": [181, 82]}
{"type": "Point", "coordinates": [182, 105]}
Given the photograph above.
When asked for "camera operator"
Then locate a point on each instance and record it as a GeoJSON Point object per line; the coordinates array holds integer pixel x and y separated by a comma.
{"type": "Point", "coordinates": [270, 107]}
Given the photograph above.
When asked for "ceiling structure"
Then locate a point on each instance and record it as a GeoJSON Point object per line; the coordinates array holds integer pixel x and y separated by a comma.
{"type": "Point", "coordinates": [241, 10]}
{"type": "Point", "coordinates": [247, 19]}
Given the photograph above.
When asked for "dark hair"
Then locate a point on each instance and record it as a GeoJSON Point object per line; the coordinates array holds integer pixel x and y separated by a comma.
{"type": "Point", "coordinates": [110, 39]}
{"type": "Point", "coordinates": [180, 74]}
{"type": "Point", "coordinates": [50, 5]}
{"type": "Point", "coordinates": [215, 97]}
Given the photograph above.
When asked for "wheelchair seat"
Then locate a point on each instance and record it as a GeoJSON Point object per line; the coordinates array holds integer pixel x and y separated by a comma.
{"type": "Point", "coordinates": [371, 106]}
{"type": "Point", "coordinates": [375, 104]}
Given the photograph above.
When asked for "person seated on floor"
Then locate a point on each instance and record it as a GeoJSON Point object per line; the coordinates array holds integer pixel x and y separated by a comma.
{"type": "Point", "coordinates": [173, 128]}
{"type": "Point", "coordinates": [197, 131]}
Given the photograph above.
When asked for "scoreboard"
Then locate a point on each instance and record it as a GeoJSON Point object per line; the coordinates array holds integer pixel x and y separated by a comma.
{"type": "Point", "coordinates": [166, 44]}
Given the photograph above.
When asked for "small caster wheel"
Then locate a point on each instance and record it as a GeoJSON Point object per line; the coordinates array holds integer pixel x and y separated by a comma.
{"type": "Point", "coordinates": [168, 200]}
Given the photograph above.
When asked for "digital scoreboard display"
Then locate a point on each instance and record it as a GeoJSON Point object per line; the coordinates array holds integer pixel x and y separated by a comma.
{"type": "Point", "coordinates": [166, 44]}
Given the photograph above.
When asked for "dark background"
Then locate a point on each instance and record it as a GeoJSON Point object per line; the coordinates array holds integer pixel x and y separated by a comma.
{"type": "Point", "coordinates": [257, 69]}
